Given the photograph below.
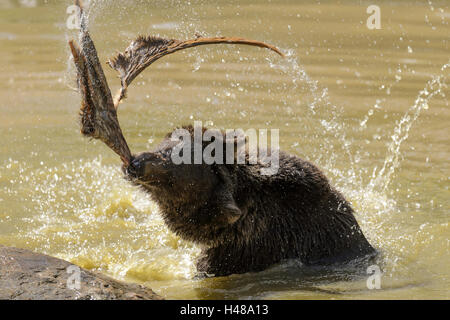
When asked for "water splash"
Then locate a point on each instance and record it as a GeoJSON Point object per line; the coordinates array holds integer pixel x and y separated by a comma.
{"type": "Point", "coordinates": [331, 121]}
{"type": "Point", "coordinates": [134, 242]}
{"type": "Point", "coordinates": [330, 113]}
{"type": "Point", "coordinates": [434, 87]}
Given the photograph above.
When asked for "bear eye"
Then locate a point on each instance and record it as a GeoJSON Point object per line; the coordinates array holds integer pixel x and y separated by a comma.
{"type": "Point", "coordinates": [166, 153]}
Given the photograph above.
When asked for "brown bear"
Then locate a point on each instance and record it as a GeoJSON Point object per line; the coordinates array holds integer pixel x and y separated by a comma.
{"type": "Point", "coordinates": [247, 221]}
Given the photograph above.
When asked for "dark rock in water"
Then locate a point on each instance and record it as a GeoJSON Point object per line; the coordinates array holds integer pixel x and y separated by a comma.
{"type": "Point", "coordinates": [25, 275]}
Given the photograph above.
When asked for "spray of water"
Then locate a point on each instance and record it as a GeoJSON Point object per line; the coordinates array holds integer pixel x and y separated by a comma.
{"type": "Point", "coordinates": [134, 242]}
{"type": "Point", "coordinates": [330, 122]}
{"type": "Point", "coordinates": [435, 86]}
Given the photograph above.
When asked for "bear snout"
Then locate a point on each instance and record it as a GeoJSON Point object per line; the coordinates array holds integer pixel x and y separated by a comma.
{"type": "Point", "coordinates": [134, 169]}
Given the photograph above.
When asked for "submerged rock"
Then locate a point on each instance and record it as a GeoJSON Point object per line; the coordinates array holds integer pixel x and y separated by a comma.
{"type": "Point", "coordinates": [26, 275]}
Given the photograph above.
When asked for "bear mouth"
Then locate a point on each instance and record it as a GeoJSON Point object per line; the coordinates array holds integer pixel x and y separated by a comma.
{"type": "Point", "coordinates": [148, 181]}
